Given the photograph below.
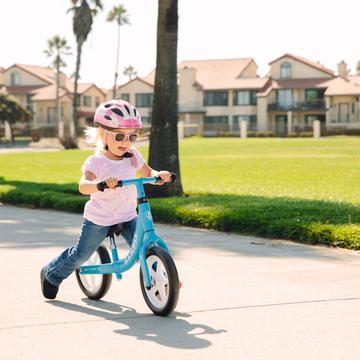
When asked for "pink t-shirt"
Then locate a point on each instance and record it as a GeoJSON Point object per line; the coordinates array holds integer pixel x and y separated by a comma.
{"type": "Point", "coordinates": [112, 206]}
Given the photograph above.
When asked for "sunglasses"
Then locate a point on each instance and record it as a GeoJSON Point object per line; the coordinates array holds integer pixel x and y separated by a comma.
{"type": "Point", "coordinates": [121, 136]}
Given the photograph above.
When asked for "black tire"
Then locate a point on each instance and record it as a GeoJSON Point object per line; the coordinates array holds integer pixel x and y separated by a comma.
{"type": "Point", "coordinates": [158, 261]}
{"type": "Point", "coordinates": [103, 281]}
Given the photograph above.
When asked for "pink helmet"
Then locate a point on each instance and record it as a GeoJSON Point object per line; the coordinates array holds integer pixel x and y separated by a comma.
{"type": "Point", "coordinates": [116, 114]}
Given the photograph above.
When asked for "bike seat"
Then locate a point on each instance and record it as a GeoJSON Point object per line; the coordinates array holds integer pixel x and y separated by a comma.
{"type": "Point", "coordinates": [115, 230]}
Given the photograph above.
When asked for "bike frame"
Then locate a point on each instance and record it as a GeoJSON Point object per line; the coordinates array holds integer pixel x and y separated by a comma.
{"type": "Point", "coordinates": [144, 237]}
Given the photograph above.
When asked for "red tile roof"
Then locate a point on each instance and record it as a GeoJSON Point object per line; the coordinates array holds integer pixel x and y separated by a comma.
{"type": "Point", "coordinates": [148, 80]}
{"type": "Point", "coordinates": [340, 86]}
{"type": "Point", "coordinates": [300, 83]}
{"type": "Point", "coordinates": [22, 90]}
{"type": "Point", "coordinates": [41, 72]}
{"type": "Point", "coordinates": [48, 93]}
{"type": "Point", "coordinates": [307, 62]}
{"type": "Point", "coordinates": [223, 73]}
{"type": "Point", "coordinates": [83, 88]}
{"type": "Point", "coordinates": [218, 74]}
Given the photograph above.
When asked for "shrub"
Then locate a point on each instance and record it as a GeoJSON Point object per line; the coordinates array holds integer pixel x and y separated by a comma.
{"type": "Point", "coordinates": [37, 133]}
{"type": "Point", "coordinates": [260, 134]}
{"type": "Point", "coordinates": [293, 135]}
{"type": "Point", "coordinates": [306, 134]}
{"type": "Point", "coordinates": [353, 132]}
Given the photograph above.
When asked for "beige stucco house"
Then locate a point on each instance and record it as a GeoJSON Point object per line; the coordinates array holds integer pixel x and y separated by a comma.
{"type": "Point", "coordinates": [35, 89]}
{"type": "Point", "coordinates": [216, 95]}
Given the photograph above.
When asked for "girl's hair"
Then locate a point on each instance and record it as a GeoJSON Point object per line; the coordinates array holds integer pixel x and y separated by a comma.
{"type": "Point", "coordinates": [94, 137]}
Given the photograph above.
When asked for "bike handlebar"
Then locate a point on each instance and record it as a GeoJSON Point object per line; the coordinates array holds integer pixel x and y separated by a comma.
{"type": "Point", "coordinates": [101, 186]}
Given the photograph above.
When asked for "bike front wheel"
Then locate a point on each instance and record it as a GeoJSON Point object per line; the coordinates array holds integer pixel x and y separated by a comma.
{"type": "Point", "coordinates": [163, 295]}
{"type": "Point", "coordinates": [95, 286]}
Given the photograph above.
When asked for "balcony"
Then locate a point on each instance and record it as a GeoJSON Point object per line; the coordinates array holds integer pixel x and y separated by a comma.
{"type": "Point", "coordinates": [318, 105]}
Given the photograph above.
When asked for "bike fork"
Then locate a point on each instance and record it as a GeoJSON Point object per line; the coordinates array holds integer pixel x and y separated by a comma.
{"type": "Point", "coordinates": [114, 254]}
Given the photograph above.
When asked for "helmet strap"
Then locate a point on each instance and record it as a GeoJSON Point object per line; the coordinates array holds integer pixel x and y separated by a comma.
{"type": "Point", "coordinates": [126, 155]}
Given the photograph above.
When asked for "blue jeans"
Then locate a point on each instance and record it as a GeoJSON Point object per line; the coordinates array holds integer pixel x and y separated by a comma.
{"type": "Point", "coordinates": [89, 240]}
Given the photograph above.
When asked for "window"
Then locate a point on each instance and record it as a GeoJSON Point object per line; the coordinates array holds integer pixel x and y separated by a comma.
{"type": "Point", "coordinates": [146, 120]}
{"type": "Point", "coordinates": [143, 100]}
{"type": "Point", "coordinates": [97, 101]}
{"type": "Point", "coordinates": [285, 98]}
{"type": "Point", "coordinates": [309, 119]}
{"type": "Point", "coordinates": [216, 120]}
{"type": "Point", "coordinates": [15, 79]}
{"type": "Point", "coordinates": [285, 70]}
{"type": "Point", "coordinates": [78, 98]}
{"type": "Point", "coordinates": [314, 95]}
{"type": "Point", "coordinates": [29, 103]}
{"type": "Point", "coordinates": [87, 100]}
{"type": "Point", "coordinates": [244, 98]}
{"type": "Point", "coordinates": [251, 119]}
{"type": "Point", "coordinates": [51, 115]}
{"type": "Point", "coordinates": [125, 97]}
{"type": "Point", "coordinates": [215, 98]}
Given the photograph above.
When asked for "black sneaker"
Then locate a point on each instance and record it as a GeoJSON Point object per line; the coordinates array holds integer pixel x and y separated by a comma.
{"type": "Point", "coordinates": [49, 290]}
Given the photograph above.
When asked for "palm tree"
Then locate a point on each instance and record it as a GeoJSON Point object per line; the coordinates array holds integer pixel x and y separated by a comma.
{"type": "Point", "coordinates": [57, 48]}
{"type": "Point", "coordinates": [120, 15]}
{"type": "Point", "coordinates": [82, 23]}
{"type": "Point", "coordinates": [164, 147]}
{"type": "Point", "coordinates": [130, 72]}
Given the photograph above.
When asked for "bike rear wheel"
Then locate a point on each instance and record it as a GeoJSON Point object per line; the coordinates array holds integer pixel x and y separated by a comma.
{"type": "Point", "coordinates": [95, 286]}
{"type": "Point", "coordinates": [163, 295]}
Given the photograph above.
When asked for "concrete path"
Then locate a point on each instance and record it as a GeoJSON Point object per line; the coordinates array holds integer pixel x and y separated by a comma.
{"type": "Point", "coordinates": [243, 298]}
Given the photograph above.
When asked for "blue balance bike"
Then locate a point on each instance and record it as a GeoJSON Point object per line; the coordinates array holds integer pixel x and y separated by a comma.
{"type": "Point", "coordinates": [159, 279]}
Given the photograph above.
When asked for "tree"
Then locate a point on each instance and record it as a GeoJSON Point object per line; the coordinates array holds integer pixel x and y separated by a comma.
{"type": "Point", "coordinates": [57, 48]}
{"type": "Point", "coordinates": [164, 151]}
{"type": "Point", "coordinates": [130, 72]}
{"type": "Point", "coordinates": [120, 15]}
{"type": "Point", "coordinates": [11, 112]}
{"type": "Point", "coordinates": [82, 23]}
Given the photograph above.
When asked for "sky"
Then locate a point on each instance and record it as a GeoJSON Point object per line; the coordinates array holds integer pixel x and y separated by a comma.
{"type": "Point", "coordinates": [318, 30]}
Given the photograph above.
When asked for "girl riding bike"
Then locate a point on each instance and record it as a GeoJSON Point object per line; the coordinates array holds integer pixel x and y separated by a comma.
{"type": "Point", "coordinates": [115, 159]}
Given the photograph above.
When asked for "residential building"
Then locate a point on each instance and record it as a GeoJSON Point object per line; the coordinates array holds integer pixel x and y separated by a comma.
{"type": "Point", "coordinates": [216, 95]}
{"type": "Point", "coordinates": [293, 96]}
{"type": "Point", "coordinates": [35, 89]}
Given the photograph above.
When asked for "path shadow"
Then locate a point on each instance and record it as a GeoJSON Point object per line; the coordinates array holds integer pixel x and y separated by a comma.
{"type": "Point", "coordinates": [171, 331]}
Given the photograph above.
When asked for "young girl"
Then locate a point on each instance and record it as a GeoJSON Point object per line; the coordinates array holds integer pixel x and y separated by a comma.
{"type": "Point", "coordinates": [116, 159]}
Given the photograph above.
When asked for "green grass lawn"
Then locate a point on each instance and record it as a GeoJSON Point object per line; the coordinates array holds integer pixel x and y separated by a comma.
{"type": "Point", "coordinates": [300, 189]}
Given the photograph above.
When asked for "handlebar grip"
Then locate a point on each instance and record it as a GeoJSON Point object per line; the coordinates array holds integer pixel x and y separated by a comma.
{"type": "Point", "coordinates": [173, 178]}
{"type": "Point", "coordinates": [101, 186]}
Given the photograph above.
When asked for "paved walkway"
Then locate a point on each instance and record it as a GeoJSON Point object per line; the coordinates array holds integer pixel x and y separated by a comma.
{"type": "Point", "coordinates": [243, 298]}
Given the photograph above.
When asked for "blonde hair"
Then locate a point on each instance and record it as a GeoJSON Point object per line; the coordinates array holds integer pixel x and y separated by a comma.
{"type": "Point", "coordinates": [94, 137]}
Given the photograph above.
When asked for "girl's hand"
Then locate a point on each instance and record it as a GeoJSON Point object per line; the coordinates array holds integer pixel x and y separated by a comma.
{"type": "Point", "coordinates": [111, 182]}
{"type": "Point", "coordinates": [164, 175]}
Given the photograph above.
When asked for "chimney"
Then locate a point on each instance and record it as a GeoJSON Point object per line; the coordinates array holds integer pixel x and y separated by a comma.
{"type": "Point", "coordinates": [342, 69]}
